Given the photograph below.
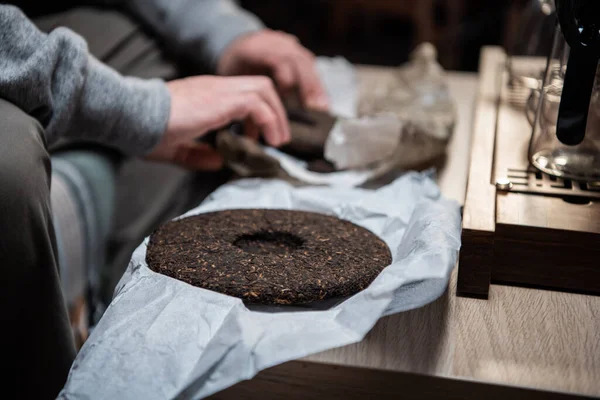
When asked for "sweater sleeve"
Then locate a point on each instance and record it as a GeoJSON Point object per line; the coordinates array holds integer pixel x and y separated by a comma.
{"type": "Point", "coordinates": [53, 78]}
{"type": "Point", "coordinates": [197, 29]}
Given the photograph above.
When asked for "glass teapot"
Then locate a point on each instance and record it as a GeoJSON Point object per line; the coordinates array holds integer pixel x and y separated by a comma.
{"type": "Point", "coordinates": [566, 131]}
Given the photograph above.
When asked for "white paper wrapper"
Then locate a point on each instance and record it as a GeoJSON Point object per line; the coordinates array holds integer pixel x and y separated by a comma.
{"type": "Point", "coordinates": [351, 178]}
{"type": "Point", "coordinates": [160, 337]}
{"type": "Point", "coordinates": [339, 78]}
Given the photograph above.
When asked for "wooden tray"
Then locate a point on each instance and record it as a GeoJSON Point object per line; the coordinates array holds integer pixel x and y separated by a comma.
{"type": "Point", "coordinates": [542, 232]}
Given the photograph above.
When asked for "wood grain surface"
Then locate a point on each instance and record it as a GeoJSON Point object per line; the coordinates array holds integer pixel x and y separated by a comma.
{"type": "Point", "coordinates": [479, 216]}
{"type": "Point", "coordinates": [519, 338]}
{"type": "Point", "coordinates": [529, 338]}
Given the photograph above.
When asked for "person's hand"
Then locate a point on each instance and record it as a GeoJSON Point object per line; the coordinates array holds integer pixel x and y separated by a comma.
{"type": "Point", "coordinates": [283, 58]}
{"type": "Point", "coordinates": [204, 103]}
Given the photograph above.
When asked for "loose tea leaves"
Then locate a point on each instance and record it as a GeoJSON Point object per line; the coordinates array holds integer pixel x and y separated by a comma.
{"type": "Point", "coordinates": [269, 256]}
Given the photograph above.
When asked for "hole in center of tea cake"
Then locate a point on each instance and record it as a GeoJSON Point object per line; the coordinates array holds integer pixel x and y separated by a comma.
{"type": "Point", "coordinates": [269, 242]}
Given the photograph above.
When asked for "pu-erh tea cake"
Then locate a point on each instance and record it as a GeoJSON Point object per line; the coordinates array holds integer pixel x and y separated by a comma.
{"type": "Point", "coordinates": [269, 256]}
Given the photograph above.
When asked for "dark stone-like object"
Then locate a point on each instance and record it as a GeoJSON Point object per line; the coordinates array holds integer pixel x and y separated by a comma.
{"type": "Point", "coordinates": [269, 256]}
{"type": "Point", "coordinates": [310, 130]}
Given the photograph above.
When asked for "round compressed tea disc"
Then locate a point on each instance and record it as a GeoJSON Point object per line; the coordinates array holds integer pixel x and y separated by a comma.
{"type": "Point", "coordinates": [269, 256]}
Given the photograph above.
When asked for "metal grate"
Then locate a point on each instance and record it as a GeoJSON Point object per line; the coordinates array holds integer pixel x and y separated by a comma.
{"type": "Point", "coordinates": [537, 182]}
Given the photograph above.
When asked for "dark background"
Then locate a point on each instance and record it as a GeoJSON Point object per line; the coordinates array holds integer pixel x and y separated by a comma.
{"type": "Point", "coordinates": [383, 32]}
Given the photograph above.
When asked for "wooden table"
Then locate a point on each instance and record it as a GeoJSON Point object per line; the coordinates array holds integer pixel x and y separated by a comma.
{"type": "Point", "coordinates": [520, 343]}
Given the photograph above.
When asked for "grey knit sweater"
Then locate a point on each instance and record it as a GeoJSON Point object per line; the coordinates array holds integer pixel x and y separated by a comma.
{"type": "Point", "coordinates": [53, 77]}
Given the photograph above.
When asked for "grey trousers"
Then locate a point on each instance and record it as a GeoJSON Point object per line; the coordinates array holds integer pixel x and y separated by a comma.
{"type": "Point", "coordinates": [39, 347]}
{"type": "Point", "coordinates": [38, 344]}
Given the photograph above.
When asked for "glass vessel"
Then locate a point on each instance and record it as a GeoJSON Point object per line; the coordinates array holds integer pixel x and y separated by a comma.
{"type": "Point", "coordinates": [566, 130]}
{"type": "Point", "coordinates": [532, 39]}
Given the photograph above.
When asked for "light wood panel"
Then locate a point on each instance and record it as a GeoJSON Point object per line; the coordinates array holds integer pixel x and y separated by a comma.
{"type": "Point", "coordinates": [538, 344]}
{"type": "Point", "coordinates": [529, 338]}
{"type": "Point", "coordinates": [521, 337]}
{"type": "Point", "coordinates": [519, 209]}
{"type": "Point", "coordinates": [479, 217]}
{"type": "Point", "coordinates": [417, 341]}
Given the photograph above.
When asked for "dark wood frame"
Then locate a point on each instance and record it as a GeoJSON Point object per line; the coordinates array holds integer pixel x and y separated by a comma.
{"type": "Point", "coordinates": [297, 380]}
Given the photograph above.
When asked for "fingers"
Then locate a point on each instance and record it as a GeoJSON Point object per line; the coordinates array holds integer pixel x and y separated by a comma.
{"type": "Point", "coordinates": [297, 68]}
{"type": "Point", "coordinates": [264, 88]}
{"type": "Point", "coordinates": [264, 118]}
{"type": "Point", "coordinates": [284, 75]}
{"type": "Point", "coordinates": [198, 156]}
{"type": "Point", "coordinates": [311, 89]}
{"type": "Point", "coordinates": [202, 104]}
{"type": "Point", "coordinates": [287, 36]}
{"type": "Point", "coordinates": [259, 102]}
{"type": "Point", "coordinates": [268, 93]}
{"type": "Point", "coordinates": [257, 115]}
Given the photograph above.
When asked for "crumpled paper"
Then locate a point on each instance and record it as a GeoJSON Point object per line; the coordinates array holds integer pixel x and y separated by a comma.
{"type": "Point", "coordinates": [161, 338]}
{"type": "Point", "coordinates": [296, 170]}
{"type": "Point", "coordinates": [339, 79]}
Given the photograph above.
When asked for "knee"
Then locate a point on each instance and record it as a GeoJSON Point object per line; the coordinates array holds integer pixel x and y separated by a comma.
{"type": "Point", "coordinates": [24, 161]}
